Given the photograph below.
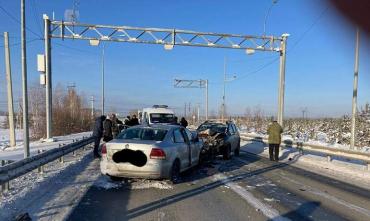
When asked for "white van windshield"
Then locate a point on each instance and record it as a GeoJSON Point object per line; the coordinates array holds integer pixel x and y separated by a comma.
{"type": "Point", "coordinates": [161, 118]}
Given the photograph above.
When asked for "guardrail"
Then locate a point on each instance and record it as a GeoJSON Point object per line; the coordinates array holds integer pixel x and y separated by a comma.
{"type": "Point", "coordinates": [329, 151]}
{"type": "Point", "coordinates": [19, 168]}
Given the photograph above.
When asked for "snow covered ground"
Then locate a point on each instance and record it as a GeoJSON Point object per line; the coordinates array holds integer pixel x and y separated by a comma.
{"type": "Point", "coordinates": [4, 137]}
{"type": "Point", "coordinates": [17, 152]}
{"type": "Point", "coordinates": [338, 168]}
{"type": "Point", "coordinates": [314, 142]}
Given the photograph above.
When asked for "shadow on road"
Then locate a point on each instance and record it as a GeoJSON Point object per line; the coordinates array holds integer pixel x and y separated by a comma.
{"type": "Point", "coordinates": [302, 213]}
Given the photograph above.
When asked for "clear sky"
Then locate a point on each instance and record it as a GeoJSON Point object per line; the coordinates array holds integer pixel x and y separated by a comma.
{"type": "Point", "coordinates": [320, 59]}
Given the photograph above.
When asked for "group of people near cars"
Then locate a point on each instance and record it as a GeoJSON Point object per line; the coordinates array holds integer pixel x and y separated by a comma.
{"type": "Point", "coordinates": [108, 127]}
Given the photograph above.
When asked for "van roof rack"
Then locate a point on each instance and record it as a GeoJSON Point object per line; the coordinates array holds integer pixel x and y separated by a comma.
{"type": "Point", "coordinates": [160, 106]}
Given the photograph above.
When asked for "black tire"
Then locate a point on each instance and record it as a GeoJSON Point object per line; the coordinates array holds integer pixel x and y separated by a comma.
{"type": "Point", "coordinates": [227, 152]}
{"type": "Point", "coordinates": [237, 149]}
{"type": "Point", "coordinates": [115, 178]}
{"type": "Point", "coordinates": [175, 172]}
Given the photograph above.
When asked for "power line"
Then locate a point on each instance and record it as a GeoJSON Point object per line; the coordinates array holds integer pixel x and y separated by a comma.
{"type": "Point", "coordinates": [294, 45]}
{"type": "Point", "coordinates": [309, 28]}
{"type": "Point", "coordinates": [35, 13]}
{"type": "Point", "coordinates": [72, 48]}
{"type": "Point", "coordinates": [18, 43]}
{"type": "Point", "coordinates": [16, 20]}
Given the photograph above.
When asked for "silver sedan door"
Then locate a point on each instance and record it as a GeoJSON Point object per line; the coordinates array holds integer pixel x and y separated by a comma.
{"type": "Point", "coordinates": [182, 147]}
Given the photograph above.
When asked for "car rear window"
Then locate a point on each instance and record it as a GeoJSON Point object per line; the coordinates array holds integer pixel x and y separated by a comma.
{"type": "Point", "coordinates": [143, 134]}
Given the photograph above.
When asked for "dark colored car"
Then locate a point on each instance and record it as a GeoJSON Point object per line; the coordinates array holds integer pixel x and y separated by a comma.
{"type": "Point", "coordinates": [220, 138]}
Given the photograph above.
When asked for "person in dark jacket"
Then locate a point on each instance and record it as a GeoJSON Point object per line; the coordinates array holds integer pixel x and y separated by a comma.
{"type": "Point", "coordinates": [97, 134]}
{"type": "Point", "coordinates": [116, 123]}
{"type": "Point", "coordinates": [274, 132]}
{"type": "Point", "coordinates": [107, 134]}
{"type": "Point", "coordinates": [175, 121]}
{"type": "Point", "coordinates": [134, 120]}
{"type": "Point", "coordinates": [183, 122]}
{"type": "Point", "coordinates": [128, 121]}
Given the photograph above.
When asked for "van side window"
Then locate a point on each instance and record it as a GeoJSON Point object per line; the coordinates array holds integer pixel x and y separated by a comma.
{"type": "Point", "coordinates": [178, 137]}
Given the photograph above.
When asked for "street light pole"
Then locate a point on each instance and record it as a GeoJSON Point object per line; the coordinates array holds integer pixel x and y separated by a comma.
{"type": "Point", "coordinates": [102, 81]}
{"type": "Point", "coordinates": [223, 96]}
{"type": "Point", "coordinates": [354, 98]}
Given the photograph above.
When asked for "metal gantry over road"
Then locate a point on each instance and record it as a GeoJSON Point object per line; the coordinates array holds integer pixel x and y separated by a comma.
{"type": "Point", "coordinates": [167, 37]}
{"type": "Point", "coordinates": [178, 83]}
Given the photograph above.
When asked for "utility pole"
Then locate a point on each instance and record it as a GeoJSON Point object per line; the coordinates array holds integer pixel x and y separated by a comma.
{"type": "Point", "coordinates": [24, 81]}
{"type": "Point", "coordinates": [280, 115]}
{"type": "Point", "coordinates": [10, 90]}
{"type": "Point", "coordinates": [224, 91]}
{"type": "Point", "coordinates": [185, 110]}
{"type": "Point", "coordinates": [92, 106]}
{"type": "Point", "coordinates": [198, 120]}
{"type": "Point", "coordinates": [354, 98]}
{"type": "Point", "coordinates": [48, 87]}
{"type": "Point", "coordinates": [206, 99]}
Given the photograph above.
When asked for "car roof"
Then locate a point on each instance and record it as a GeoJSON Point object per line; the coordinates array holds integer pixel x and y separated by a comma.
{"type": "Point", "coordinates": [217, 123]}
{"type": "Point", "coordinates": [158, 126]}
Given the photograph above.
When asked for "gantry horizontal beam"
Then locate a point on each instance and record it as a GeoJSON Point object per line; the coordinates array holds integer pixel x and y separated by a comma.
{"type": "Point", "coordinates": [189, 83]}
{"type": "Point", "coordinates": [167, 37]}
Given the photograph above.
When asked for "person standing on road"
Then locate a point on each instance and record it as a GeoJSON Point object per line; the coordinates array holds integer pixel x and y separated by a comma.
{"type": "Point", "coordinates": [134, 120]}
{"type": "Point", "coordinates": [128, 121]}
{"type": "Point", "coordinates": [107, 135]}
{"type": "Point", "coordinates": [274, 132]}
{"type": "Point", "coordinates": [183, 122]}
{"type": "Point", "coordinates": [175, 121]}
{"type": "Point", "coordinates": [97, 134]}
{"type": "Point", "coordinates": [116, 123]}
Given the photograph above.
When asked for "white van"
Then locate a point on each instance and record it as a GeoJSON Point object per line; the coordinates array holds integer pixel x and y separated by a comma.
{"type": "Point", "coordinates": [158, 114]}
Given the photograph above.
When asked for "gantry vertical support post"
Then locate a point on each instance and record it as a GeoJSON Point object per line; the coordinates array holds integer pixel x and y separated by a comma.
{"type": "Point", "coordinates": [280, 115]}
{"type": "Point", "coordinates": [48, 77]}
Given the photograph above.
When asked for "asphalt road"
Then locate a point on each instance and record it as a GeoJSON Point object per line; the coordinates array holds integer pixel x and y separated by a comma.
{"type": "Point", "coordinates": [244, 188]}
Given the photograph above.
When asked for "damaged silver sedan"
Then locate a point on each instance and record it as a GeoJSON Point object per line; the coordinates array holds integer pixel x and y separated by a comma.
{"type": "Point", "coordinates": [155, 152]}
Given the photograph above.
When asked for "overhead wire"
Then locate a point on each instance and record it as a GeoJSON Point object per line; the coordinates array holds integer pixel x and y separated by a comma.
{"type": "Point", "coordinates": [16, 20]}
{"type": "Point", "coordinates": [300, 38]}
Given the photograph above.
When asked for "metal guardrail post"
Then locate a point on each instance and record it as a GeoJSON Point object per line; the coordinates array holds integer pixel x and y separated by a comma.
{"type": "Point", "coordinates": [40, 169]}
{"type": "Point", "coordinates": [61, 159]}
{"type": "Point", "coordinates": [5, 186]}
{"type": "Point", "coordinates": [328, 157]}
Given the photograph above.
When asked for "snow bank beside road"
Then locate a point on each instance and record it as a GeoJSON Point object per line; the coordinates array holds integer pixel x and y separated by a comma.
{"type": "Point", "coordinates": [52, 195]}
{"type": "Point", "coordinates": [289, 138]}
{"type": "Point", "coordinates": [347, 171]}
{"type": "Point", "coordinates": [17, 153]}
